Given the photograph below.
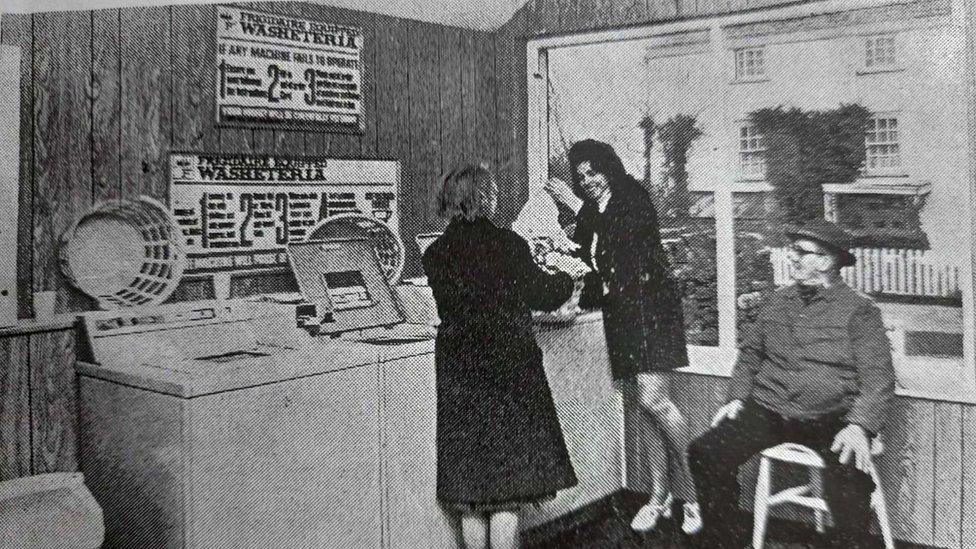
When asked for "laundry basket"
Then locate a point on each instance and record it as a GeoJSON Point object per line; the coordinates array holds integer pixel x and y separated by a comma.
{"type": "Point", "coordinates": [124, 253]}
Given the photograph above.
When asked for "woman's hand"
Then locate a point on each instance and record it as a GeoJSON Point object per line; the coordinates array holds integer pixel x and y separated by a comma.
{"type": "Point", "coordinates": [729, 411]}
{"type": "Point", "coordinates": [567, 264]}
{"type": "Point", "coordinates": [562, 193]}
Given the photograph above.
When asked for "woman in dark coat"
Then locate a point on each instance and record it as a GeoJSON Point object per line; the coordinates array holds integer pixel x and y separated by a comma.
{"type": "Point", "coordinates": [617, 230]}
{"type": "Point", "coordinates": [499, 442]}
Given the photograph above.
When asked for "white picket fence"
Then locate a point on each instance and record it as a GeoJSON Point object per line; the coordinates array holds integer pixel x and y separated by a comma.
{"type": "Point", "coordinates": [887, 270]}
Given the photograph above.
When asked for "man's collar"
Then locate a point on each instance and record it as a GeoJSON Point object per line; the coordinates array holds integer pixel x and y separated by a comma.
{"type": "Point", "coordinates": [827, 293]}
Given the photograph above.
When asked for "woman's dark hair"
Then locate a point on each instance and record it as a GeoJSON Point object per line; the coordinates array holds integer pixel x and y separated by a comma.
{"type": "Point", "coordinates": [602, 158]}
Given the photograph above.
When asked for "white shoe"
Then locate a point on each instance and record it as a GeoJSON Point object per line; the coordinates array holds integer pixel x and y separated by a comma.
{"type": "Point", "coordinates": [693, 522]}
{"type": "Point", "coordinates": [646, 519]}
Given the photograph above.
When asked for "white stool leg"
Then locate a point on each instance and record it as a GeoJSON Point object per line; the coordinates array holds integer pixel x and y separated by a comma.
{"type": "Point", "coordinates": [816, 487]}
{"type": "Point", "coordinates": [881, 510]}
{"type": "Point", "coordinates": [760, 510]}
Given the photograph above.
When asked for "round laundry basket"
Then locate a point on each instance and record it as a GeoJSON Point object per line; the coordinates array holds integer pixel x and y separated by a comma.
{"type": "Point", "coordinates": [389, 247]}
{"type": "Point", "coordinates": [124, 253]}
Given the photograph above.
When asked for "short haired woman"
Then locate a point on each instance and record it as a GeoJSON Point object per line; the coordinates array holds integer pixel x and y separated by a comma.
{"type": "Point", "coordinates": [499, 442]}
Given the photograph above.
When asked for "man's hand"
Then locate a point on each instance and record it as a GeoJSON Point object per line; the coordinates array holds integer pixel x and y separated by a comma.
{"type": "Point", "coordinates": [850, 442]}
{"type": "Point", "coordinates": [728, 411]}
{"type": "Point", "coordinates": [749, 301]}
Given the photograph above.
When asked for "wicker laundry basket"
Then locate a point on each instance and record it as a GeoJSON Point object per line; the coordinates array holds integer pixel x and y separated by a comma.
{"type": "Point", "coordinates": [124, 253]}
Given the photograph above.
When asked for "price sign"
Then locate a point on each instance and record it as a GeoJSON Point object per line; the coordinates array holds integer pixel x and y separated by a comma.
{"type": "Point", "coordinates": [239, 212]}
{"type": "Point", "coordinates": [280, 71]}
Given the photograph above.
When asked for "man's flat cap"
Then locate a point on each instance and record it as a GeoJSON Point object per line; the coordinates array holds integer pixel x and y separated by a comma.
{"type": "Point", "coordinates": [828, 234]}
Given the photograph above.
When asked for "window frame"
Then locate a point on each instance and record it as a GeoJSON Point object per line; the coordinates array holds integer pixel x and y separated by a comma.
{"type": "Point", "coordinates": [897, 53]}
{"type": "Point", "coordinates": [719, 361]}
{"type": "Point", "coordinates": [899, 142]}
{"type": "Point", "coordinates": [759, 151]}
{"type": "Point", "coordinates": [762, 76]}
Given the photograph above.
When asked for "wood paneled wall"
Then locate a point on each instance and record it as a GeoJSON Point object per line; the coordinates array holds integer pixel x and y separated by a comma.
{"type": "Point", "coordinates": [38, 412]}
{"type": "Point", "coordinates": [107, 94]}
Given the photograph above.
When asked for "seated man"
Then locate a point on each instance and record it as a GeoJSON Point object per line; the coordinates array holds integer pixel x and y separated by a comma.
{"type": "Point", "coordinates": [815, 369]}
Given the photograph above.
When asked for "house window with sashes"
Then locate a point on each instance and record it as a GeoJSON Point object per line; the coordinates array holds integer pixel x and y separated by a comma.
{"type": "Point", "coordinates": [750, 64]}
{"type": "Point", "coordinates": [752, 152]}
{"type": "Point", "coordinates": [883, 145]}
{"type": "Point", "coordinates": [879, 52]}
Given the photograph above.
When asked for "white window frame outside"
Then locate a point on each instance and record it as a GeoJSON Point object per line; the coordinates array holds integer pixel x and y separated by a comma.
{"type": "Point", "coordinates": [720, 360]}
{"type": "Point", "coordinates": [868, 44]}
{"type": "Point", "coordinates": [743, 71]}
{"type": "Point", "coordinates": [752, 160]}
{"type": "Point", "coordinates": [897, 142]}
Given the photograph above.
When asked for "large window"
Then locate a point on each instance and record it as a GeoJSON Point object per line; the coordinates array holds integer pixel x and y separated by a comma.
{"type": "Point", "coordinates": [663, 98]}
{"type": "Point", "coordinates": [650, 124]}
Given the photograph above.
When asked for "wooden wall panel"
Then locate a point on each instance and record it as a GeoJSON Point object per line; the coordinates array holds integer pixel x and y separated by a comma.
{"type": "Point", "coordinates": [471, 81]}
{"type": "Point", "coordinates": [512, 121]}
{"type": "Point", "coordinates": [106, 107]}
{"type": "Point", "coordinates": [478, 79]}
{"type": "Point", "coordinates": [423, 165]}
{"type": "Point", "coordinates": [907, 469]}
{"type": "Point", "coordinates": [194, 58]}
{"type": "Point", "coordinates": [62, 138]}
{"type": "Point", "coordinates": [242, 140]}
{"type": "Point", "coordinates": [146, 101]}
{"type": "Point", "coordinates": [15, 432]}
{"type": "Point", "coordinates": [54, 409]}
{"type": "Point", "coordinates": [948, 465]}
{"type": "Point", "coordinates": [18, 30]}
{"type": "Point", "coordinates": [367, 141]}
{"type": "Point", "coordinates": [450, 97]}
{"type": "Point", "coordinates": [392, 90]}
{"type": "Point", "coordinates": [967, 526]}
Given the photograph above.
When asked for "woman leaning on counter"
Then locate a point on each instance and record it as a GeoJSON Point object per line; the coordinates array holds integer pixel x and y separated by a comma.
{"type": "Point", "coordinates": [499, 442]}
{"type": "Point", "coordinates": [617, 230]}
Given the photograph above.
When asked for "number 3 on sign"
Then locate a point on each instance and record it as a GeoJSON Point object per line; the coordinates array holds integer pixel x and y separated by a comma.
{"type": "Point", "coordinates": [275, 73]}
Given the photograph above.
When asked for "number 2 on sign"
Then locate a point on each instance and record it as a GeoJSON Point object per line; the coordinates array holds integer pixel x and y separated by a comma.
{"type": "Point", "coordinates": [275, 73]}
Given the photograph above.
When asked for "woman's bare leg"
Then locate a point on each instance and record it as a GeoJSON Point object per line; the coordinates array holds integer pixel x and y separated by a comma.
{"type": "Point", "coordinates": [504, 530]}
{"type": "Point", "coordinates": [652, 393]}
{"type": "Point", "coordinates": [474, 530]}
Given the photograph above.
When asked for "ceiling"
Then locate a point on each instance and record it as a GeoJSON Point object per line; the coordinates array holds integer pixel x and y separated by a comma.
{"type": "Point", "coordinates": [472, 14]}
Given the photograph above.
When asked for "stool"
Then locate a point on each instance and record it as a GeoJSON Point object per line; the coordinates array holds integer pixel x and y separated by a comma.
{"type": "Point", "coordinates": [801, 455]}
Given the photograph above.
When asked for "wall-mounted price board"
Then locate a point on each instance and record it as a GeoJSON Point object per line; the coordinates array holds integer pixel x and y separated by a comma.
{"type": "Point", "coordinates": [286, 72]}
{"type": "Point", "coordinates": [239, 212]}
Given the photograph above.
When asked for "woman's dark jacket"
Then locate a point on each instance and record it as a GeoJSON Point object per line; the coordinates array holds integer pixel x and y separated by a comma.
{"type": "Point", "coordinates": [498, 435]}
{"type": "Point", "coordinates": [642, 312]}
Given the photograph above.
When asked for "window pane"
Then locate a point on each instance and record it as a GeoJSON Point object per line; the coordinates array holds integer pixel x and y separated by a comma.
{"type": "Point", "coordinates": [749, 63]}
{"type": "Point", "coordinates": [755, 236]}
{"type": "Point", "coordinates": [689, 240]}
{"type": "Point", "coordinates": [613, 107]}
{"type": "Point", "coordinates": [881, 140]}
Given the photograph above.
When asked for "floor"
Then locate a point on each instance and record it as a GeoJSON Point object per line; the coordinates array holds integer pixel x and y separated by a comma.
{"type": "Point", "coordinates": [606, 525]}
